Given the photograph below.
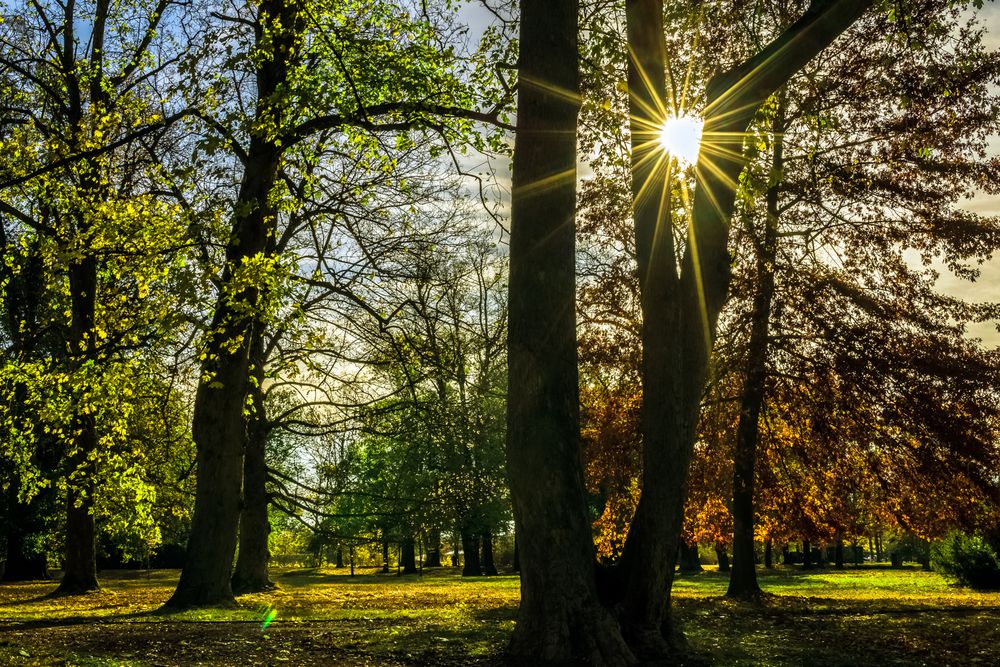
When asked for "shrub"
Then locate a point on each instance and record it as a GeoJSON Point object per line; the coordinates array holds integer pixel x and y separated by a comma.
{"type": "Point", "coordinates": [969, 559]}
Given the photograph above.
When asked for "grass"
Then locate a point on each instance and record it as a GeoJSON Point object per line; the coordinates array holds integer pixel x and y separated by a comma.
{"type": "Point", "coordinates": [866, 616]}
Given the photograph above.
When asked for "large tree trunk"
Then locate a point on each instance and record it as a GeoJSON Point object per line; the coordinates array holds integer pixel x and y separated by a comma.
{"type": "Point", "coordinates": [471, 565]}
{"type": "Point", "coordinates": [489, 567]}
{"type": "Point", "coordinates": [408, 555]}
{"type": "Point", "coordinates": [743, 581]}
{"type": "Point", "coordinates": [689, 560]}
{"type": "Point", "coordinates": [433, 558]}
{"type": "Point", "coordinates": [219, 425]}
{"type": "Point", "coordinates": [680, 308]}
{"type": "Point", "coordinates": [250, 574]}
{"type": "Point", "coordinates": [560, 617]}
{"type": "Point", "coordinates": [723, 557]}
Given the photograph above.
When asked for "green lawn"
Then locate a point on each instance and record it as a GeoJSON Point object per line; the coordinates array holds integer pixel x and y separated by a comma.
{"type": "Point", "coordinates": [865, 616]}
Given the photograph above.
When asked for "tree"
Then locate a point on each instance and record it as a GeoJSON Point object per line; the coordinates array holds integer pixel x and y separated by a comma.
{"type": "Point", "coordinates": [560, 616]}
{"type": "Point", "coordinates": [681, 301]}
{"type": "Point", "coordinates": [316, 76]}
{"type": "Point", "coordinates": [78, 178]}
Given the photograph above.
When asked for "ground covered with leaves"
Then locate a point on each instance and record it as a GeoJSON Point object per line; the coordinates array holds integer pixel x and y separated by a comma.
{"type": "Point", "coordinates": [864, 616]}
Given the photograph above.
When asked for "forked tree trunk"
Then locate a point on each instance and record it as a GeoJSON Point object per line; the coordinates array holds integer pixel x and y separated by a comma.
{"type": "Point", "coordinates": [219, 426]}
{"type": "Point", "coordinates": [560, 618]}
{"type": "Point", "coordinates": [681, 305]}
{"type": "Point", "coordinates": [250, 574]}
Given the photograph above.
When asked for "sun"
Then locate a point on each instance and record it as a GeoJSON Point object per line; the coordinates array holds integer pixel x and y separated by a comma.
{"type": "Point", "coordinates": [680, 136]}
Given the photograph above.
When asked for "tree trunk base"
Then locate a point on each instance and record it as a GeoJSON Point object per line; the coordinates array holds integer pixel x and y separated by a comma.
{"type": "Point", "coordinates": [70, 585]}
{"type": "Point", "coordinates": [576, 636]}
{"type": "Point", "coordinates": [243, 586]}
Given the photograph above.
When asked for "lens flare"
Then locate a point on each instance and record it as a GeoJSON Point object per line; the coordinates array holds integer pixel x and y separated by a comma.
{"type": "Point", "coordinates": [680, 136]}
{"type": "Point", "coordinates": [266, 615]}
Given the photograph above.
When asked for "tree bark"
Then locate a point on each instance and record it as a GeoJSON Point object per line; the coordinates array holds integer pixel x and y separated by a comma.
{"type": "Point", "coordinates": [471, 565]}
{"type": "Point", "coordinates": [219, 424]}
{"type": "Point", "coordinates": [806, 555]}
{"type": "Point", "coordinates": [720, 553]}
{"type": "Point", "coordinates": [340, 557]}
{"type": "Point", "coordinates": [80, 555]}
{"type": "Point", "coordinates": [560, 618]}
{"type": "Point", "coordinates": [768, 555]}
{"type": "Point", "coordinates": [433, 558]}
{"type": "Point", "coordinates": [489, 567]}
{"type": "Point", "coordinates": [516, 564]}
{"type": "Point", "coordinates": [408, 555]}
{"type": "Point", "coordinates": [680, 308]}
{"type": "Point", "coordinates": [250, 574]}
{"type": "Point", "coordinates": [385, 555]}
{"type": "Point", "coordinates": [689, 560]}
{"type": "Point", "coordinates": [743, 581]}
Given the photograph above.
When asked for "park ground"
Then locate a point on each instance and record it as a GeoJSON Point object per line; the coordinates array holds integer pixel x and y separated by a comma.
{"type": "Point", "coordinates": [870, 615]}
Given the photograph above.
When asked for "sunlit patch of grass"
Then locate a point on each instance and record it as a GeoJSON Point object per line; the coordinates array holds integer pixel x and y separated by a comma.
{"type": "Point", "coordinates": [864, 616]}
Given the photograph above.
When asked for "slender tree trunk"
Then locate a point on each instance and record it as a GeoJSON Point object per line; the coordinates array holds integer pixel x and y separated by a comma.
{"type": "Point", "coordinates": [340, 557]}
{"type": "Point", "coordinates": [806, 555]}
{"type": "Point", "coordinates": [385, 555]}
{"type": "Point", "coordinates": [560, 617]}
{"type": "Point", "coordinates": [408, 555]}
{"type": "Point", "coordinates": [80, 567]}
{"type": "Point", "coordinates": [489, 567]}
{"type": "Point", "coordinates": [743, 581]}
{"type": "Point", "coordinates": [250, 574]}
{"type": "Point", "coordinates": [838, 560]}
{"type": "Point", "coordinates": [768, 555]}
{"type": "Point", "coordinates": [351, 556]}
